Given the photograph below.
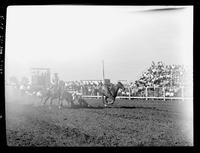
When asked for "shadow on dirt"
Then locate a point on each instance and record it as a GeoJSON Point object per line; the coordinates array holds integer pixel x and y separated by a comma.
{"type": "Point", "coordinates": [116, 107]}
{"type": "Point", "coordinates": [136, 107]}
{"type": "Point", "coordinates": [85, 107]}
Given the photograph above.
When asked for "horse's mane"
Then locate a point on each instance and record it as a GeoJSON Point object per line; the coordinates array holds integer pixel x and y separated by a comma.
{"type": "Point", "coordinates": [120, 83]}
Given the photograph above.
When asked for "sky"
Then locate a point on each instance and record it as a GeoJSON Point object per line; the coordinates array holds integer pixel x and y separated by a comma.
{"type": "Point", "coordinates": [73, 40]}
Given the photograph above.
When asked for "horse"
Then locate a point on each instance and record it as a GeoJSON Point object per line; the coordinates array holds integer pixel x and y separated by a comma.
{"type": "Point", "coordinates": [110, 93]}
{"type": "Point", "coordinates": [77, 97]}
{"type": "Point", "coordinates": [58, 92]}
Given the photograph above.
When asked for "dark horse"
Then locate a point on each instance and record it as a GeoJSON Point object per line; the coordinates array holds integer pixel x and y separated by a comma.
{"type": "Point", "coordinates": [110, 93]}
{"type": "Point", "coordinates": [58, 92]}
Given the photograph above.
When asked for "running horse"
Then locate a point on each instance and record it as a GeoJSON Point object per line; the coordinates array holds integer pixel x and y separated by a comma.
{"type": "Point", "coordinates": [59, 92]}
{"type": "Point", "coordinates": [110, 93]}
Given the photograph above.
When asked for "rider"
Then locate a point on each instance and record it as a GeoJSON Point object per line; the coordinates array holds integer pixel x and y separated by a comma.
{"type": "Point", "coordinates": [55, 81]}
{"type": "Point", "coordinates": [107, 86]}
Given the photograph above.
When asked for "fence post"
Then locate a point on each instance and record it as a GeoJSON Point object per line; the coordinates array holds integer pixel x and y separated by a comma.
{"type": "Point", "coordinates": [163, 93]}
{"type": "Point", "coordinates": [170, 92]}
{"type": "Point", "coordinates": [129, 93]}
{"type": "Point", "coordinates": [146, 94]}
{"type": "Point", "coordinates": [81, 90]}
{"type": "Point", "coordinates": [182, 93]}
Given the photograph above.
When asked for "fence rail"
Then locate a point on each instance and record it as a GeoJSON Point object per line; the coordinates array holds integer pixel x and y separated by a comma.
{"type": "Point", "coordinates": [146, 98]}
{"type": "Point", "coordinates": [148, 93]}
{"type": "Point", "coordinates": [157, 93]}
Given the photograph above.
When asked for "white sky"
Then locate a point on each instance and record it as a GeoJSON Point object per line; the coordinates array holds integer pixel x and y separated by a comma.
{"type": "Point", "coordinates": [73, 40]}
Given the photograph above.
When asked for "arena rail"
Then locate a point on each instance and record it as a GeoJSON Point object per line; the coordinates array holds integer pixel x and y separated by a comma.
{"type": "Point", "coordinates": [185, 93]}
{"type": "Point", "coordinates": [146, 98]}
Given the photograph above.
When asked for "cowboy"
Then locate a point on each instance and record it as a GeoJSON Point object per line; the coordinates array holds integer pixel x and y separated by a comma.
{"type": "Point", "coordinates": [107, 86]}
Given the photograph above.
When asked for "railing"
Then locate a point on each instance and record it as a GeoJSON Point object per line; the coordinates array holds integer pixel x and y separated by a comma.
{"type": "Point", "coordinates": [145, 98]}
{"type": "Point", "coordinates": [162, 93]}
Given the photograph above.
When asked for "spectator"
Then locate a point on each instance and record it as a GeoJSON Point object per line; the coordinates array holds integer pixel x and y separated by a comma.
{"type": "Point", "coordinates": [159, 75]}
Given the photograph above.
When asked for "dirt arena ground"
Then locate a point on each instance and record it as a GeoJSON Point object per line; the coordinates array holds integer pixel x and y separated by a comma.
{"type": "Point", "coordinates": [126, 123]}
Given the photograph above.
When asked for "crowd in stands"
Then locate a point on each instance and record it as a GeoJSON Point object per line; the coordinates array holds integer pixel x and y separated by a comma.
{"type": "Point", "coordinates": [84, 87]}
{"type": "Point", "coordinates": [159, 75]}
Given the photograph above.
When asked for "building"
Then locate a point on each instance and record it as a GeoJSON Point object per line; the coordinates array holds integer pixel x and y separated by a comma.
{"type": "Point", "coordinates": [40, 77]}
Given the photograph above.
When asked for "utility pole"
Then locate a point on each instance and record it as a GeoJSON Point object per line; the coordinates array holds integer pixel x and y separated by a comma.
{"type": "Point", "coordinates": [103, 70]}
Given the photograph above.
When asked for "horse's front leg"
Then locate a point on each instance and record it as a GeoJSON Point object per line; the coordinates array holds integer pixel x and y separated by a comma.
{"type": "Point", "coordinates": [51, 101]}
{"type": "Point", "coordinates": [41, 100]}
{"type": "Point", "coordinates": [106, 101]}
{"type": "Point", "coordinates": [72, 103]}
{"type": "Point", "coordinates": [45, 100]}
{"type": "Point", "coordinates": [103, 99]}
{"type": "Point", "coordinates": [112, 100]}
{"type": "Point", "coordinates": [60, 103]}
{"type": "Point", "coordinates": [67, 100]}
